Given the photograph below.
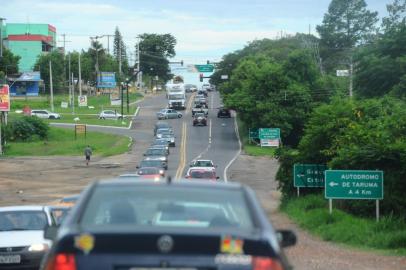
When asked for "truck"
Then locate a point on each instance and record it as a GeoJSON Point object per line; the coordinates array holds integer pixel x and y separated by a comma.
{"type": "Point", "coordinates": [176, 96]}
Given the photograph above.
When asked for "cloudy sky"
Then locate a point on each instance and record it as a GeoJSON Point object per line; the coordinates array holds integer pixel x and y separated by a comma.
{"type": "Point", "coordinates": [204, 29]}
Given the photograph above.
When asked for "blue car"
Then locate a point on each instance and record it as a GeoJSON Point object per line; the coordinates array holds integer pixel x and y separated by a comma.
{"type": "Point", "coordinates": [130, 225]}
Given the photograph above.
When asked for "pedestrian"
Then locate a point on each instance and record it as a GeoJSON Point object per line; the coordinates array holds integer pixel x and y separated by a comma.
{"type": "Point", "coordinates": [88, 153]}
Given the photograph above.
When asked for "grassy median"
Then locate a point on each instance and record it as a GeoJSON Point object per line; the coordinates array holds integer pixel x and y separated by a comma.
{"type": "Point", "coordinates": [62, 142]}
{"type": "Point", "coordinates": [311, 212]}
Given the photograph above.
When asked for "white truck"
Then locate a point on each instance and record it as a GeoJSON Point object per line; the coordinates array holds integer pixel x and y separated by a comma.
{"type": "Point", "coordinates": [176, 96]}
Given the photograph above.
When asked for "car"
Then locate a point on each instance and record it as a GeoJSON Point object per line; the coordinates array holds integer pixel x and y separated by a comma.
{"type": "Point", "coordinates": [202, 163]}
{"type": "Point", "coordinates": [161, 131]}
{"type": "Point", "coordinates": [59, 213]}
{"type": "Point", "coordinates": [169, 137]}
{"type": "Point", "coordinates": [69, 200]}
{"type": "Point", "coordinates": [154, 173]}
{"type": "Point", "coordinates": [157, 152]}
{"type": "Point", "coordinates": [45, 114]}
{"type": "Point", "coordinates": [199, 119]}
{"type": "Point", "coordinates": [161, 143]}
{"type": "Point", "coordinates": [200, 108]}
{"type": "Point", "coordinates": [153, 162]}
{"type": "Point", "coordinates": [190, 88]}
{"type": "Point", "coordinates": [22, 242]}
{"type": "Point", "coordinates": [207, 173]}
{"type": "Point", "coordinates": [110, 114]}
{"type": "Point", "coordinates": [223, 112]}
{"type": "Point", "coordinates": [168, 114]}
{"type": "Point", "coordinates": [161, 124]}
{"type": "Point", "coordinates": [181, 224]}
{"type": "Point", "coordinates": [203, 92]}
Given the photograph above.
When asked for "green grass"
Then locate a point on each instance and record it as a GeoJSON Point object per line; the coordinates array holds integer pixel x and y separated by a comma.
{"type": "Point", "coordinates": [99, 103]}
{"type": "Point", "coordinates": [251, 148]}
{"type": "Point", "coordinates": [311, 212]}
{"type": "Point", "coordinates": [62, 142]}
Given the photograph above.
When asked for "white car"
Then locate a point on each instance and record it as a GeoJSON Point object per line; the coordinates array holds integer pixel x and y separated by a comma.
{"type": "Point", "coordinates": [110, 114]}
{"type": "Point", "coordinates": [168, 113]}
{"type": "Point", "coordinates": [202, 163]}
{"type": "Point", "coordinates": [22, 242]}
{"type": "Point", "coordinates": [45, 114]}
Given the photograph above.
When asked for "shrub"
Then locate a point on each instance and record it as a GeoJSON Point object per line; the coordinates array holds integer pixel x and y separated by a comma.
{"type": "Point", "coordinates": [25, 129]}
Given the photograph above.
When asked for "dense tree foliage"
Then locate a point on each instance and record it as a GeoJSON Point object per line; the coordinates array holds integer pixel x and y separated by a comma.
{"type": "Point", "coordinates": [120, 53]}
{"type": "Point", "coordinates": [155, 50]}
{"type": "Point", "coordinates": [8, 63]}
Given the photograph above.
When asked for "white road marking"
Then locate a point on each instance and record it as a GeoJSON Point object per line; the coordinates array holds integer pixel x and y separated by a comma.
{"type": "Point", "coordinates": [239, 149]}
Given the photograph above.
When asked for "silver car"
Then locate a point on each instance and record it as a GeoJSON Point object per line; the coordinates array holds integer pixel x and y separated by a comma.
{"type": "Point", "coordinates": [168, 114]}
{"type": "Point", "coordinates": [110, 114]}
{"type": "Point", "coordinates": [45, 114]}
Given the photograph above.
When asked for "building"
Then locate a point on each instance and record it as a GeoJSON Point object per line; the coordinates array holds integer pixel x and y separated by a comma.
{"type": "Point", "coordinates": [28, 41]}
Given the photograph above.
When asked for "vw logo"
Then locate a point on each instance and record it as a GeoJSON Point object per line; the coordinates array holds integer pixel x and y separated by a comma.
{"type": "Point", "coordinates": [165, 244]}
{"type": "Point", "coordinates": [9, 249]}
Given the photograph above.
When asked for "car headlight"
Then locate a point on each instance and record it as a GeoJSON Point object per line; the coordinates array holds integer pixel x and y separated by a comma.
{"type": "Point", "coordinates": [38, 247]}
{"type": "Point", "coordinates": [156, 178]}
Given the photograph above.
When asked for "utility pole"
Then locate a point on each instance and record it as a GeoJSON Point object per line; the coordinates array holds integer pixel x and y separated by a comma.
{"type": "Point", "coordinates": [73, 94]}
{"type": "Point", "coordinates": [119, 58]}
{"type": "Point", "coordinates": [80, 78]}
{"type": "Point", "coordinates": [69, 81]}
{"type": "Point", "coordinates": [137, 57]}
{"type": "Point", "coordinates": [1, 37]}
{"type": "Point", "coordinates": [51, 86]}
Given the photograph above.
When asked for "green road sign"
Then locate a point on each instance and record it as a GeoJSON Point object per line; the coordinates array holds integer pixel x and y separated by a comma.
{"type": "Point", "coordinates": [253, 134]}
{"type": "Point", "coordinates": [205, 68]}
{"type": "Point", "coordinates": [269, 133]}
{"type": "Point", "coordinates": [350, 184]}
{"type": "Point", "coordinates": [309, 175]}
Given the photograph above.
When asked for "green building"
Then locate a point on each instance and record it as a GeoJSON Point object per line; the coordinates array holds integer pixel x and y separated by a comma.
{"type": "Point", "coordinates": [28, 41]}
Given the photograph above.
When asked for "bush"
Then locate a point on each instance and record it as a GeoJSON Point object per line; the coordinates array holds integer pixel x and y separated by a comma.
{"type": "Point", "coordinates": [26, 128]}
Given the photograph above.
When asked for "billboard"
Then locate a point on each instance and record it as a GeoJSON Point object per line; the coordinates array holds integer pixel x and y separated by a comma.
{"type": "Point", "coordinates": [106, 80]}
{"type": "Point", "coordinates": [4, 98]}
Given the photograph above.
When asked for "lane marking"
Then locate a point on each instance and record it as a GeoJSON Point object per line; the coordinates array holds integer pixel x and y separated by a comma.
{"type": "Point", "coordinates": [189, 104]}
{"type": "Point", "coordinates": [239, 148]}
{"type": "Point", "coordinates": [182, 153]}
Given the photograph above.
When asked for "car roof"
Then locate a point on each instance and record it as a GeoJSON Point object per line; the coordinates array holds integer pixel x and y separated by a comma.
{"type": "Point", "coordinates": [178, 183]}
{"type": "Point", "coordinates": [153, 158]}
{"type": "Point", "coordinates": [22, 208]}
{"type": "Point", "coordinates": [212, 169]}
{"type": "Point", "coordinates": [203, 160]}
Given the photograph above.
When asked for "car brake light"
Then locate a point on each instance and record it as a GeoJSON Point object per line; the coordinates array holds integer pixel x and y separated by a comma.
{"type": "Point", "coordinates": [62, 261]}
{"type": "Point", "coordinates": [264, 263]}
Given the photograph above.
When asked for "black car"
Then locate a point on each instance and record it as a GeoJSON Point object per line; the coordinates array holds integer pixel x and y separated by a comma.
{"type": "Point", "coordinates": [223, 112]}
{"type": "Point", "coordinates": [199, 119]}
{"type": "Point", "coordinates": [174, 225]}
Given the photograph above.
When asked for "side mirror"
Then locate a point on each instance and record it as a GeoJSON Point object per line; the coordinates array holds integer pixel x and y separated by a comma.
{"type": "Point", "coordinates": [50, 232]}
{"type": "Point", "coordinates": [137, 167]}
{"type": "Point", "coordinates": [286, 238]}
{"type": "Point", "coordinates": [217, 177]}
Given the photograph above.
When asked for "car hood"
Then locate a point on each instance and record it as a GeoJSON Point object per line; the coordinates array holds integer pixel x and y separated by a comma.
{"type": "Point", "coordinates": [22, 238]}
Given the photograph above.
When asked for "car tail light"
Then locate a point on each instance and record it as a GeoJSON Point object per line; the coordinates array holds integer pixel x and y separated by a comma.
{"type": "Point", "coordinates": [265, 263]}
{"type": "Point", "coordinates": [62, 261]}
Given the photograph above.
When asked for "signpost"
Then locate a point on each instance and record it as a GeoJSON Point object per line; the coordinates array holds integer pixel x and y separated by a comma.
{"type": "Point", "coordinates": [80, 129]}
{"type": "Point", "coordinates": [354, 184]}
{"type": "Point", "coordinates": [82, 100]}
{"type": "Point", "coordinates": [343, 73]}
{"type": "Point", "coordinates": [205, 68]}
{"type": "Point", "coordinates": [269, 136]}
{"type": "Point", "coordinates": [4, 108]}
{"type": "Point", "coordinates": [308, 175]}
{"type": "Point", "coordinates": [224, 77]}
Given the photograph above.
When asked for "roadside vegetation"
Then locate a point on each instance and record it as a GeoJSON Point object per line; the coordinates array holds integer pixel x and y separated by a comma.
{"type": "Point", "coordinates": [291, 84]}
{"type": "Point", "coordinates": [30, 136]}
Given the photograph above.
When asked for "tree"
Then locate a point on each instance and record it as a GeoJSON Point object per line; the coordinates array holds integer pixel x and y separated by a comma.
{"type": "Point", "coordinates": [8, 63]}
{"type": "Point", "coordinates": [347, 24]}
{"type": "Point", "coordinates": [58, 76]}
{"type": "Point", "coordinates": [120, 53]}
{"type": "Point", "coordinates": [154, 53]}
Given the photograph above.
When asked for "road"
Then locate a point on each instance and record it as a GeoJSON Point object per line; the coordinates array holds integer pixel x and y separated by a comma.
{"type": "Point", "coordinates": [40, 180]}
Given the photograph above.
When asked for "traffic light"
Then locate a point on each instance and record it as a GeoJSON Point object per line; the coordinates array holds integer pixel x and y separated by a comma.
{"type": "Point", "coordinates": [181, 63]}
{"type": "Point", "coordinates": [208, 62]}
{"type": "Point", "coordinates": [201, 77]}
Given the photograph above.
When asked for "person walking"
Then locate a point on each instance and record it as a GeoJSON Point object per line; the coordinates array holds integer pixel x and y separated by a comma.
{"type": "Point", "coordinates": [88, 153]}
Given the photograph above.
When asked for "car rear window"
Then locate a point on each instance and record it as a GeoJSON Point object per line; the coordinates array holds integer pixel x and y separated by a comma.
{"type": "Point", "coordinates": [160, 206]}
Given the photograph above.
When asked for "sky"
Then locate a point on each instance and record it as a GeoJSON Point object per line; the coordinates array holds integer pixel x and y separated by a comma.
{"type": "Point", "coordinates": [205, 30]}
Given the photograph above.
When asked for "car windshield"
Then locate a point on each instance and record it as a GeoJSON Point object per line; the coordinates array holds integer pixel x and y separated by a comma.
{"type": "Point", "coordinates": [158, 206]}
{"type": "Point", "coordinates": [155, 152]}
{"type": "Point", "coordinates": [151, 163]}
{"type": "Point", "coordinates": [203, 163]}
{"type": "Point", "coordinates": [202, 174]}
{"type": "Point", "coordinates": [22, 220]}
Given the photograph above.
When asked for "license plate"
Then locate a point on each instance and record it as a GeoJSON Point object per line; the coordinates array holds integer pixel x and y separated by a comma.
{"type": "Point", "coordinates": [10, 259]}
